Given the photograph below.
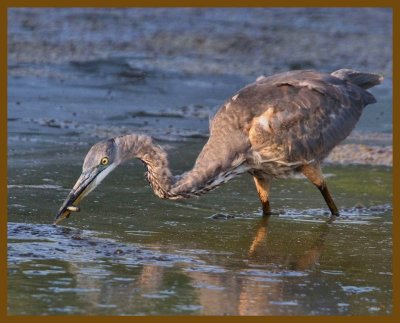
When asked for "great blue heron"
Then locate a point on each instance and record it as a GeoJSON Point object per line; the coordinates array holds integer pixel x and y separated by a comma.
{"type": "Point", "coordinates": [276, 126]}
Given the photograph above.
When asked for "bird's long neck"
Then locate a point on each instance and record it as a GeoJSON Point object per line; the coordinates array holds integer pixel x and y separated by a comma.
{"type": "Point", "coordinates": [203, 177]}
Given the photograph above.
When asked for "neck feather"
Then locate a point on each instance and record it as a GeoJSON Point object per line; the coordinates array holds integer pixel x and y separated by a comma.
{"type": "Point", "coordinates": [204, 176]}
{"type": "Point", "coordinates": [153, 156]}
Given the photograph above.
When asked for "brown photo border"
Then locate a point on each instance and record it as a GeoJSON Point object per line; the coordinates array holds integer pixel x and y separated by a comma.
{"type": "Point", "coordinates": [5, 4]}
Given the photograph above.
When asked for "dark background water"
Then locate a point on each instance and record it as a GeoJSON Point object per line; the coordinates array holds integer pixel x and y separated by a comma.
{"type": "Point", "coordinates": [80, 75]}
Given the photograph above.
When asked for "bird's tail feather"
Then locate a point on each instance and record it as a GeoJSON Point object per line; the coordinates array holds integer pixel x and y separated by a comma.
{"type": "Point", "coordinates": [363, 80]}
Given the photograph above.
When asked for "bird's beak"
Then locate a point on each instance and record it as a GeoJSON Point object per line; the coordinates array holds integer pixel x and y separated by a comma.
{"type": "Point", "coordinates": [84, 185]}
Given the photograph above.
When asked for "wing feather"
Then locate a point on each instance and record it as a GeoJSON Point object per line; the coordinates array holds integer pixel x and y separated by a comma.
{"type": "Point", "coordinates": [301, 114]}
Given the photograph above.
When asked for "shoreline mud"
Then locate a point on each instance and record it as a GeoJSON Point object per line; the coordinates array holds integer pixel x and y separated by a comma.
{"type": "Point", "coordinates": [167, 76]}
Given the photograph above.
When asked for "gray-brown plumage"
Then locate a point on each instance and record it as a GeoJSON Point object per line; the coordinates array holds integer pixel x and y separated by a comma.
{"type": "Point", "coordinates": [278, 125]}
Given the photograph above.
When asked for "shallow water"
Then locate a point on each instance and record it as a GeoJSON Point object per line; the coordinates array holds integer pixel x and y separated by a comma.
{"type": "Point", "coordinates": [130, 253]}
{"type": "Point", "coordinates": [127, 252]}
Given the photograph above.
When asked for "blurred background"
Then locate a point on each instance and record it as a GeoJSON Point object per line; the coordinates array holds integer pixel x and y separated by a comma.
{"type": "Point", "coordinates": [239, 41]}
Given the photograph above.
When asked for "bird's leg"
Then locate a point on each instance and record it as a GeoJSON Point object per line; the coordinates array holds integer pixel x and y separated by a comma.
{"type": "Point", "coordinates": [314, 173]}
{"type": "Point", "coordinates": [263, 185]}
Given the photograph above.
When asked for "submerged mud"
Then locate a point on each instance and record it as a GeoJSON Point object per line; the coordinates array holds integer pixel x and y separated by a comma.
{"type": "Point", "coordinates": [129, 253]}
{"type": "Point", "coordinates": [275, 272]}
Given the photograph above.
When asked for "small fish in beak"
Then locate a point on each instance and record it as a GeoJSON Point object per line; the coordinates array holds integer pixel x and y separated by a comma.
{"type": "Point", "coordinates": [73, 208]}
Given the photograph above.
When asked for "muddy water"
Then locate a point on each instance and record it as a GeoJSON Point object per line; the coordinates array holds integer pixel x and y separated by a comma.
{"type": "Point", "coordinates": [129, 253]}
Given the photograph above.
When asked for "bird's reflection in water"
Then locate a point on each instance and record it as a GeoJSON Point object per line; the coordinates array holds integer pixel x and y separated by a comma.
{"type": "Point", "coordinates": [259, 250]}
{"type": "Point", "coordinates": [250, 289]}
{"type": "Point", "coordinates": [260, 236]}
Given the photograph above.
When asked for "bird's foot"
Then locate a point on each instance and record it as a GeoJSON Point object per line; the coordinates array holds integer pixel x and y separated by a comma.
{"type": "Point", "coordinates": [333, 217]}
{"type": "Point", "coordinates": [269, 213]}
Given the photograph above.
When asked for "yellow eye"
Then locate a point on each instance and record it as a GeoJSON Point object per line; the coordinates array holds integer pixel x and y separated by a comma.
{"type": "Point", "coordinates": [104, 161]}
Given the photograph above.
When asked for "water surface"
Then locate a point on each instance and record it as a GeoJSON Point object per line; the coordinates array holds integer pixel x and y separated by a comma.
{"type": "Point", "coordinates": [129, 253]}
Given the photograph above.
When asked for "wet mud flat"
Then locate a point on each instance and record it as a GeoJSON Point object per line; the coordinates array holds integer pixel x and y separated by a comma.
{"type": "Point", "coordinates": [180, 63]}
{"type": "Point", "coordinates": [129, 253]}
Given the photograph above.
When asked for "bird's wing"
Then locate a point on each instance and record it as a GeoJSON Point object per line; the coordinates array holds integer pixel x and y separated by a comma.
{"type": "Point", "coordinates": [303, 115]}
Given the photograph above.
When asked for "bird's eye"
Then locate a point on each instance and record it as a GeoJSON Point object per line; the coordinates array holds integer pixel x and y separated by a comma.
{"type": "Point", "coordinates": [104, 161]}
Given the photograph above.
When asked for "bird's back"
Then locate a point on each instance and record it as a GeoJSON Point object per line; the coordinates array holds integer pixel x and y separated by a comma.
{"type": "Point", "coordinates": [293, 116]}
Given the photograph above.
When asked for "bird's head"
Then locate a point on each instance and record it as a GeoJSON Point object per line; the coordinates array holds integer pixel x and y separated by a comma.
{"type": "Point", "coordinates": [101, 159]}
